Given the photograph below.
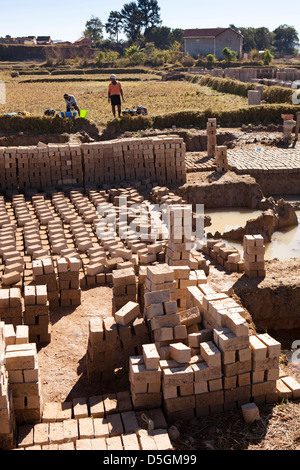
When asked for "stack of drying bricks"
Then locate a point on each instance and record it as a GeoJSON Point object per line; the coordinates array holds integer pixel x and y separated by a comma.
{"type": "Point", "coordinates": [211, 131]}
{"type": "Point", "coordinates": [44, 274]}
{"type": "Point", "coordinates": [21, 362]}
{"type": "Point", "coordinates": [12, 258]}
{"type": "Point", "coordinates": [125, 287]}
{"type": "Point", "coordinates": [254, 255]}
{"type": "Point", "coordinates": [37, 313]}
{"type": "Point", "coordinates": [68, 270]}
{"type": "Point", "coordinates": [7, 421]}
{"type": "Point", "coordinates": [124, 334]}
{"type": "Point", "coordinates": [221, 158]}
{"type": "Point", "coordinates": [70, 165]}
{"type": "Point", "coordinates": [227, 256]}
{"type": "Point", "coordinates": [11, 310]}
{"type": "Point", "coordinates": [179, 244]}
{"type": "Point", "coordinates": [161, 313]}
{"type": "Point", "coordinates": [241, 364]}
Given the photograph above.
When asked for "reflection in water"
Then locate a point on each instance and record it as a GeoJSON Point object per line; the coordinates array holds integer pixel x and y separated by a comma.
{"type": "Point", "coordinates": [285, 244]}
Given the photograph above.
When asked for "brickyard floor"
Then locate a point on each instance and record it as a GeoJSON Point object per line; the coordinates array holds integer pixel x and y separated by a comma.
{"type": "Point", "coordinates": [261, 160]}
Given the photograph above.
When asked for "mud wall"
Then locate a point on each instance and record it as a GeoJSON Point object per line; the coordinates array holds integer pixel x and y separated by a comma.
{"type": "Point", "coordinates": [230, 190]}
{"type": "Point", "coordinates": [277, 184]}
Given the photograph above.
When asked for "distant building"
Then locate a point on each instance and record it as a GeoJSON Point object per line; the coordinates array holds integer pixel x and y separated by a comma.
{"type": "Point", "coordinates": [44, 40]}
{"type": "Point", "coordinates": [212, 41]}
{"type": "Point", "coordinates": [63, 43]}
{"type": "Point", "coordinates": [83, 42]}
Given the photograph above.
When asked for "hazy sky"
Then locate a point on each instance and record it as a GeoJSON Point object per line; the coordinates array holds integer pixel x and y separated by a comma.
{"type": "Point", "coordinates": [65, 20]}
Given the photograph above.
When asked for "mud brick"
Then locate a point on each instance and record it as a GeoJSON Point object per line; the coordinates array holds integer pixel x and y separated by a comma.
{"type": "Point", "coordinates": [140, 327]}
{"type": "Point", "coordinates": [180, 332]}
{"type": "Point", "coordinates": [98, 443]}
{"type": "Point", "coordinates": [129, 421]}
{"type": "Point", "coordinates": [293, 384]}
{"type": "Point", "coordinates": [180, 352]}
{"type": "Point", "coordinates": [22, 334]}
{"type": "Point", "coordinates": [250, 413]}
{"type": "Point", "coordinates": [4, 298]}
{"type": "Point", "coordinates": [130, 441]}
{"type": "Point", "coordinates": [124, 401]}
{"type": "Point", "coordinates": [180, 403]}
{"type": "Point", "coordinates": [283, 391]}
{"type": "Point", "coordinates": [202, 372]}
{"type": "Point", "coordinates": [263, 388]}
{"type": "Point", "coordinates": [155, 310]}
{"type": "Point", "coordinates": [41, 434]}
{"type": "Point", "coordinates": [165, 321]}
{"type": "Point", "coordinates": [157, 297]}
{"type": "Point", "coordinates": [123, 277]}
{"type": "Point", "coordinates": [259, 349]}
{"type": "Point", "coordinates": [21, 356]}
{"type": "Point", "coordinates": [237, 368]}
{"type": "Point", "coordinates": [96, 406]}
{"type": "Point", "coordinates": [101, 427]}
{"type": "Point", "coordinates": [173, 377]}
{"type": "Point", "coordinates": [170, 307]}
{"type": "Point", "coordinates": [210, 354]}
{"type": "Point", "coordinates": [151, 356]}
{"type": "Point", "coordinates": [230, 382]}
{"type": "Point", "coordinates": [190, 316]}
{"type": "Point", "coordinates": [128, 313]}
{"type": "Point", "coordinates": [273, 346]}
{"type": "Point", "coordinates": [110, 330]}
{"type": "Point", "coordinates": [139, 374]}
{"type": "Point", "coordinates": [80, 408]}
{"type": "Point", "coordinates": [226, 340]}
{"type": "Point", "coordinates": [110, 404]}
{"type": "Point", "coordinates": [25, 435]}
{"type": "Point", "coordinates": [194, 339]}
{"type": "Point", "coordinates": [115, 426]}
{"type": "Point", "coordinates": [163, 334]}
{"type": "Point", "coordinates": [237, 394]}
{"type": "Point", "coordinates": [56, 433]}
{"type": "Point", "coordinates": [11, 278]}
{"type": "Point", "coordinates": [86, 428]}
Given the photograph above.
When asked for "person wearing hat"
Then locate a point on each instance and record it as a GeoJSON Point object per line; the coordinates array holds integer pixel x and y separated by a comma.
{"type": "Point", "coordinates": [71, 103]}
{"type": "Point", "coordinates": [115, 92]}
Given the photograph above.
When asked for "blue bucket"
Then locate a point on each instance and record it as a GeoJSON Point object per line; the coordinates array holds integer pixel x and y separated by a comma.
{"type": "Point", "coordinates": [68, 114]}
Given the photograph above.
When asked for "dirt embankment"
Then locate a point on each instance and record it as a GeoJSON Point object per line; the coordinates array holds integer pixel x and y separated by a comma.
{"type": "Point", "coordinates": [221, 190]}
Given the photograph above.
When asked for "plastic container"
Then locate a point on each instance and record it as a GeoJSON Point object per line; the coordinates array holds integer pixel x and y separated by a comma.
{"type": "Point", "coordinates": [83, 113]}
{"type": "Point", "coordinates": [68, 114]}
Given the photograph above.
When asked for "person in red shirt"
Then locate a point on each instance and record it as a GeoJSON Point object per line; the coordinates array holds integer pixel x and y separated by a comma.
{"type": "Point", "coordinates": [115, 92]}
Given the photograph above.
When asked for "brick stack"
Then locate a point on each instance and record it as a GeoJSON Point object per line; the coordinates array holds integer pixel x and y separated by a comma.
{"type": "Point", "coordinates": [160, 277]}
{"type": "Point", "coordinates": [162, 315]}
{"type": "Point", "coordinates": [24, 379]}
{"type": "Point", "coordinates": [124, 287]}
{"type": "Point", "coordinates": [56, 235]}
{"type": "Point", "coordinates": [7, 421]}
{"type": "Point", "coordinates": [221, 158]}
{"type": "Point", "coordinates": [254, 259]}
{"type": "Point", "coordinates": [37, 313]}
{"type": "Point", "coordinates": [145, 379]}
{"type": "Point", "coordinates": [11, 311]}
{"type": "Point", "coordinates": [69, 281]}
{"type": "Point", "coordinates": [44, 274]}
{"type": "Point", "coordinates": [33, 242]}
{"type": "Point", "coordinates": [211, 132]}
{"type": "Point", "coordinates": [10, 168]}
{"type": "Point", "coordinates": [12, 258]}
{"type": "Point", "coordinates": [179, 243]}
{"type": "Point", "coordinates": [103, 348]}
{"type": "Point", "coordinates": [71, 166]}
{"type": "Point", "coordinates": [265, 367]}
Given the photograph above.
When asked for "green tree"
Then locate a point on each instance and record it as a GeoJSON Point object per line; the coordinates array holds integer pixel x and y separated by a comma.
{"type": "Point", "coordinates": [210, 58]}
{"type": "Point", "coordinates": [267, 57]}
{"type": "Point", "coordinates": [229, 55]}
{"type": "Point", "coordinates": [114, 24]}
{"type": "Point", "coordinates": [285, 39]}
{"type": "Point", "coordinates": [93, 29]}
{"type": "Point", "coordinates": [160, 36]}
{"type": "Point", "coordinates": [132, 21]}
{"type": "Point", "coordinates": [149, 12]}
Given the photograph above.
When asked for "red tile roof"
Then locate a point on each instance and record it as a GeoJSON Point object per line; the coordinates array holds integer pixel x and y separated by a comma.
{"type": "Point", "coordinates": [207, 32]}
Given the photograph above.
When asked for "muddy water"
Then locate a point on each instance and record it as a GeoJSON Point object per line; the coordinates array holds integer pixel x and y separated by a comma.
{"type": "Point", "coordinates": [285, 244]}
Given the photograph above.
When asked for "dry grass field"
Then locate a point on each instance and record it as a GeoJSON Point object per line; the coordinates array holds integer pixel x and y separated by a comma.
{"type": "Point", "coordinates": [157, 96]}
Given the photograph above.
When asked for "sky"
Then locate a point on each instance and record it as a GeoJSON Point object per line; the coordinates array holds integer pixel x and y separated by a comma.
{"type": "Point", "coordinates": [65, 20]}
